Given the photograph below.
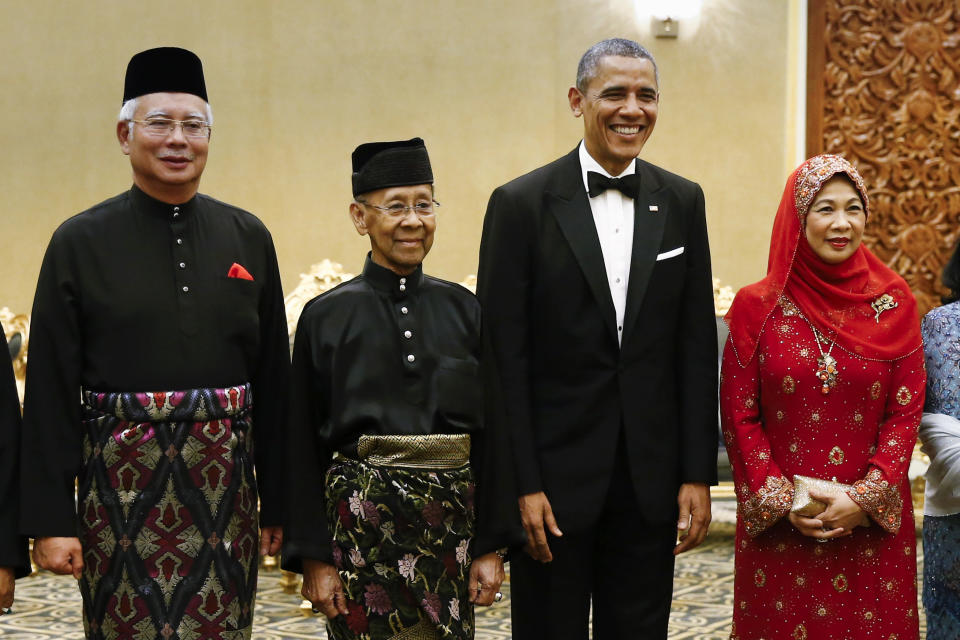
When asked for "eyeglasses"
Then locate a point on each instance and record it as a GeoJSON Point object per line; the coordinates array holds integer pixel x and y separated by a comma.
{"type": "Point", "coordinates": [397, 210]}
{"type": "Point", "coordinates": [163, 127]}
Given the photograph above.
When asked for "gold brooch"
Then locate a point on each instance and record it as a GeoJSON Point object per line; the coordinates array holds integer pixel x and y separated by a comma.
{"type": "Point", "coordinates": [883, 303]}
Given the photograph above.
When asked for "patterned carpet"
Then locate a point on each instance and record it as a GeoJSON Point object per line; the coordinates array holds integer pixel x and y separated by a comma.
{"type": "Point", "coordinates": [47, 606]}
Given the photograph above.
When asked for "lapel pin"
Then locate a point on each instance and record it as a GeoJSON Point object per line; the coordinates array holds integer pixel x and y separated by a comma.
{"type": "Point", "coordinates": [654, 207]}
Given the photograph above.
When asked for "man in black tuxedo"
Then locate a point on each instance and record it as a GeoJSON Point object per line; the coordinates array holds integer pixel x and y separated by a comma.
{"type": "Point", "coordinates": [598, 302]}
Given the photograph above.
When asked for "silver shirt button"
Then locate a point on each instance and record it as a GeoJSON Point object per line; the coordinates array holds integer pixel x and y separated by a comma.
{"type": "Point", "coordinates": [404, 310]}
{"type": "Point", "coordinates": [411, 358]}
{"type": "Point", "coordinates": [403, 287]}
{"type": "Point", "coordinates": [186, 288]}
{"type": "Point", "coordinates": [183, 265]}
{"type": "Point", "coordinates": [403, 281]}
{"type": "Point", "coordinates": [179, 240]}
{"type": "Point", "coordinates": [408, 334]}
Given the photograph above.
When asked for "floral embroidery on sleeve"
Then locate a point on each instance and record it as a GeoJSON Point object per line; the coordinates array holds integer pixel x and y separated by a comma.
{"type": "Point", "coordinates": [879, 499]}
{"type": "Point", "coordinates": [766, 506]}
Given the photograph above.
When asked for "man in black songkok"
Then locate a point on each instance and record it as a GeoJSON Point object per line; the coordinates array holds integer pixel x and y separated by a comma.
{"type": "Point", "coordinates": [386, 430]}
{"type": "Point", "coordinates": [162, 310]}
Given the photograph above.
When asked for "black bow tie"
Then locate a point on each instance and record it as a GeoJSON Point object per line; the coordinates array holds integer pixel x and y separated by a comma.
{"type": "Point", "coordinates": [597, 183]}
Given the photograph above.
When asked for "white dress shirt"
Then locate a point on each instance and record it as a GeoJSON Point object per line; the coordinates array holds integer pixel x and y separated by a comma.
{"type": "Point", "coordinates": [613, 216]}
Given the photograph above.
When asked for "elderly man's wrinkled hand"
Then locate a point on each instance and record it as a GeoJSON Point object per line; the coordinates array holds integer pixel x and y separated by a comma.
{"type": "Point", "coordinates": [486, 576]}
{"type": "Point", "coordinates": [322, 587]}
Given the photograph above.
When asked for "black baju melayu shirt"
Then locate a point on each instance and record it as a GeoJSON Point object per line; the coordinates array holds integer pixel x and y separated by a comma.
{"type": "Point", "coordinates": [13, 546]}
{"type": "Point", "coordinates": [134, 295]}
{"type": "Point", "coordinates": [384, 354]}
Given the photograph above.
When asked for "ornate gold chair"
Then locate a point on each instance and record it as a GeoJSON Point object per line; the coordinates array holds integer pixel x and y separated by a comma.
{"type": "Point", "coordinates": [16, 327]}
{"type": "Point", "coordinates": [322, 276]}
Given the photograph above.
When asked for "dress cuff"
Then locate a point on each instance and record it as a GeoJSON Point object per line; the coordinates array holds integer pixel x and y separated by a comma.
{"type": "Point", "coordinates": [879, 499]}
{"type": "Point", "coordinates": [762, 509]}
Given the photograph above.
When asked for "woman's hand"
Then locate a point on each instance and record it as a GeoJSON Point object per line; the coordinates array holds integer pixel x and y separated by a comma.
{"type": "Point", "coordinates": [842, 512]}
{"type": "Point", "coordinates": [815, 527]}
{"type": "Point", "coordinates": [486, 575]}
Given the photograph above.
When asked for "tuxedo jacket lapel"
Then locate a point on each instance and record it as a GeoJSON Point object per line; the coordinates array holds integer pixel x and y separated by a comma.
{"type": "Point", "coordinates": [647, 233]}
{"type": "Point", "coordinates": [567, 202]}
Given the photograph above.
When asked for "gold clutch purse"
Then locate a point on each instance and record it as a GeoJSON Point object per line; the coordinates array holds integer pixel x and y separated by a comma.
{"type": "Point", "coordinates": [803, 504]}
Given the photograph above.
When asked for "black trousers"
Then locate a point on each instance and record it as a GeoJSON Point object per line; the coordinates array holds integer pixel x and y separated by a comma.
{"type": "Point", "coordinates": [623, 565]}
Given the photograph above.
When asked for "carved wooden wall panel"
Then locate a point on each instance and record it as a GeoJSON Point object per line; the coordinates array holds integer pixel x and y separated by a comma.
{"type": "Point", "coordinates": [884, 92]}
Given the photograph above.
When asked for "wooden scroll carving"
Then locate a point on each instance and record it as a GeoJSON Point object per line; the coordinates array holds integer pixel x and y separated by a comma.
{"type": "Point", "coordinates": [884, 76]}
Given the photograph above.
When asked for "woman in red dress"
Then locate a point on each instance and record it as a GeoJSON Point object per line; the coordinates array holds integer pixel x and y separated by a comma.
{"type": "Point", "coordinates": [823, 376]}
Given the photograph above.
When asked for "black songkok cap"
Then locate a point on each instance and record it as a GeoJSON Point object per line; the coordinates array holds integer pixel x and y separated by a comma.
{"type": "Point", "coordinates": [379, 165]}
{"type": "Point", "coordinates": [164, 69]}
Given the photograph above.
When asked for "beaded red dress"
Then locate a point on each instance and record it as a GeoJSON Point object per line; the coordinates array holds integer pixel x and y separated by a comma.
{"type": "Point", "coordinates": [778, 421]}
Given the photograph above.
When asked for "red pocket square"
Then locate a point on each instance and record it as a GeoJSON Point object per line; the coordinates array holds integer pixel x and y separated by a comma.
{"type": "Point", "coordinates": [237, 271]}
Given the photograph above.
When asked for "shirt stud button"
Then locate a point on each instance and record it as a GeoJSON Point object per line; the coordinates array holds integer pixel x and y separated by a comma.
{"type": "Point", "coordinates": [403, 281]}
{"type": "Point", "coordinates": [179, 240]}
{"type": "Point", "coordinates": [183, 265]}
{"type": "Point", "coordinates": [404, 310]}
{"type": "Point", "coordinates": [403, 287]}
{"type": "Point", "coordinates": [186, 288]}
{"type": "Point", "coordinates": [408, 334]}
{"type": "Point", "coordinates": [411, 358]}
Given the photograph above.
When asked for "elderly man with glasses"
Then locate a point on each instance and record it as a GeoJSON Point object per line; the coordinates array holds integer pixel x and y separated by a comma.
{"type": "Point", "coordinates": [387, 432]}
{"type": "Point", "coordinates": [158, 318]}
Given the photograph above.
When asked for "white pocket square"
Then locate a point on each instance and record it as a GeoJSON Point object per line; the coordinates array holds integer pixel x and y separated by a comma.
{"type": "Point", "coordinates": [669, 254]}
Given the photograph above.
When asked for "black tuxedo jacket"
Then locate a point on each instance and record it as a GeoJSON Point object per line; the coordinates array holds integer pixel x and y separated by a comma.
{"type": "Point", "coordinates": [568, 389]}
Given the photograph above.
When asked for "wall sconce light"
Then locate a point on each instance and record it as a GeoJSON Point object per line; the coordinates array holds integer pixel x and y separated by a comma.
{"type": "Point", "coordinates": [664, 27]}
{"type": "Point", "coordinates": [667, 15]}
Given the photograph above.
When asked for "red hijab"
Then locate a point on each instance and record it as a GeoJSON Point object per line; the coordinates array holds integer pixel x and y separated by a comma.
{"type": "Point", "coordinates": [841, 300]}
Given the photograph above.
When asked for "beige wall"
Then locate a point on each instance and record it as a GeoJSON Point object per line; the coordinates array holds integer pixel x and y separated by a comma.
{"type": "Point", "coordinates": [296, 84]}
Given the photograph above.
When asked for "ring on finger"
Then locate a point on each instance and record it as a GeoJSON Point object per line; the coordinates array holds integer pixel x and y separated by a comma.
{"type": "Point", "coordinates": [497, 597]}
{"type": "Point", "coordinates": [315, 609]}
